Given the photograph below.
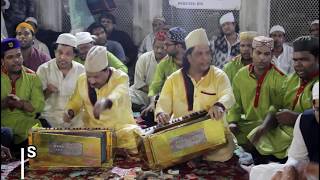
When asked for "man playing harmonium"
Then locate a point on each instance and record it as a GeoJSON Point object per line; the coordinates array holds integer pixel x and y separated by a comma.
{"type": "Point", "coordinates": [103, 94]}
{"type": "Point", "coordinates": [198, 86]}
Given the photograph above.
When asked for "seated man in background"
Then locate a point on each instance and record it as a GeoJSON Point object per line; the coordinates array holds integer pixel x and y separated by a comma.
{"type": "Point", "coordinates": [245, 56]}
{"type": "Point", "coordinates": [303, 155]}
{"type": "Point", "coordinates": [32, 57]}
{"type": "Point", "coordinates": [175, 48]}
{"type": "Point", "coordinates": [198, 86]}
{"type": "Point", "coordinates": [103, 93]}
{"type": "Point", "coordinates": [282, 52]}
{"type": "Point", "coordinates": [147, 43]}
{"type": "Point", "coordinates": [21, 93]}
{"type": "Point", "coordinates": [85, 42]}
{"type": "Point", "coordinates": [294, 98]}
{"type": "Point", "coordinates": [59, 77]}
{"type": "Point", "coordinates": [114, 47]}
{"type": "Point", "coordinates": [314, 28]}
{"type": "Point", "coordinates": [256, 90]}
{"type": "Point", "coordinates": [131, 50]}
{"type": "Point", "coordinates": [36, 43]}
{"type": "Point", "coordinates": [145, 69]}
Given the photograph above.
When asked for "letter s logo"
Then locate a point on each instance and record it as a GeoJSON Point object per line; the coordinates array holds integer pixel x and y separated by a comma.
{"type": "Point", "coordinates": [31, 152]}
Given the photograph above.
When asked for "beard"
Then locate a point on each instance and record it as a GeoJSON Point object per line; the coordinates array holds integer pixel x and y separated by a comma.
{"type": "Point", "coordinates": [18, 72]}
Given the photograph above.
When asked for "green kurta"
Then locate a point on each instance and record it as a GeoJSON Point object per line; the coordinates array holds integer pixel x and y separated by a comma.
{"type": "Point", "coordinates": [28, 87]}
{"type": "Point", "coordinates": [112, 60]}
{"type": "Point", "coordinates": [164, 69]}
{"type": "Point", "coordinates": [251, 102]}
{"type": "Point", "coordinates": [232, 67]}
{"type": "Point", "coordinates": [267, 144]}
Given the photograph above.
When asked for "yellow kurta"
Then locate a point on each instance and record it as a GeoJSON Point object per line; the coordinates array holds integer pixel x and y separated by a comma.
{"type": "Point", "coordinates": [213, 88]}
{"type": "Point", "coordinates": [119, 117]}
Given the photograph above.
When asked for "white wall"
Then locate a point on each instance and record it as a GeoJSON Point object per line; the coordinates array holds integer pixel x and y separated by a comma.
{"type": "Point", "coordinates": [143, 13]}
{"type": "Point", "coordinates": [255, 16]}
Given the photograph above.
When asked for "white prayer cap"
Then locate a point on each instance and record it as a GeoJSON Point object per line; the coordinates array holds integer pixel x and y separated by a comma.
{"type": "Point", "coordinates": [315, 22]}
{"type": "Point", "coordinates": [277, 28]}
{"type": "Point", "coordinates": [83, 38]}
{"type": "Point", "coordinates": [197, 37]}
{"type": "Point", "coordinates": [67, 39]}
{"type": "Point", "coordinates": [31, 19]}
{"type": "Point", "coordinates": [227, 18]}
{"type": "Point", "coordinates": [96, 60]}
{"type": "Point", "coordinates": [315, 91]}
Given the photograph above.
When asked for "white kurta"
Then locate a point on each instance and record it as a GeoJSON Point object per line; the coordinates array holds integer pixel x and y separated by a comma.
{"type": "Point", "coordinates": [56, 102]}
{"type": "Point", "coordinates": [284, 62]}
{"type": "Point", "coordinates": [145, 69]}
{"type": "Point", "coordinates": [297, 153]}
{"type": "Point", "coordinates": [147, 44]}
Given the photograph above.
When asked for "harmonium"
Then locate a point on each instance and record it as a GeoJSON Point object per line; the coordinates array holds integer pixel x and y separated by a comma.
{"type": "Point", "coordinates": [180, 140]}
{"type": "Point", "coordinates": [72, 147]}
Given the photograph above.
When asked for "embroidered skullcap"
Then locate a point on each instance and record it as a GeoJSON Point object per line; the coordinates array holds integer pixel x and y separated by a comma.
{"type": "Point", "coordinates": [177, 34]}
{"type": "Point", "coordinates": [262, 41]}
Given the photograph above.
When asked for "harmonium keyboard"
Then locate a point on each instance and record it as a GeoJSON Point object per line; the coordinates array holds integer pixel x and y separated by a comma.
{"type": "Point", "coordinates": [180, 140]}
{"type": "Point", "coordinates": [72, 147]}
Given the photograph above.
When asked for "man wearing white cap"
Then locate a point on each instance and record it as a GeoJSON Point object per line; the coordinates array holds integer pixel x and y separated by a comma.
{"type": "Point", "coordinates": [59, 77]}
{"type": "Point", "coordinates": [227, 46]}
{"type": "Point", "coordinates": [103, 93]}
{"type": "Point", "coordinates": [36, 43]}
{"type": "Point", "coordinates": [314, 28]}
{"type": "Point", "coordinates": [282, 52]}
{"type": "Point", "coordinates": [303, 154]}
{"type": "Point", "coordinates": [245, 56]}
{"type": "Point", "coordinates": [256, 88]}
{"type": "Point", "coordinates": [85, 42]}
{"type": "Point", "coordinates": [197, 86]}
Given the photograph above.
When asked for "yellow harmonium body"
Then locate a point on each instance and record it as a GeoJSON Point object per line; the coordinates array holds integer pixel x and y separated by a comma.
{"type": "Point", "coordinates": [72, 147]}
{"type": "Point", "coordinates": [182, 139]}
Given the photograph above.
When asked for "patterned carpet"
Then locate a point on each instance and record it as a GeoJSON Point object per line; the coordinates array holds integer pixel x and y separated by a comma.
{"type": "Point", "coordinates": [229, 170]}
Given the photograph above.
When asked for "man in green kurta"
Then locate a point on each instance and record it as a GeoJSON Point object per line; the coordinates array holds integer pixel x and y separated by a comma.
{"type": "Point", "coordinates": [21, 92]}
{"type": "Point", "coordinates": [295, 97]}
{"type": "Point", "coordinates": [255, 90]}
{"type": "Point", "coordinates": [245, 56]}
{"type": "Point", "coordinates": [175, 47]}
